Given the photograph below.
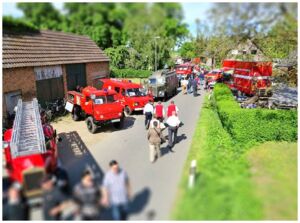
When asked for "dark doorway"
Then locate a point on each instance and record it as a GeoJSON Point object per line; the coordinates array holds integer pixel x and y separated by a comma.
{"type": "Point", "coordinates": [76, 75]}
{"type": "Point", "coordinates": [49, 89]}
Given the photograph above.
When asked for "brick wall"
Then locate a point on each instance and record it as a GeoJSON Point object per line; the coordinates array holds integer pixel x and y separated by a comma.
{"type": "Point", "coordinates": [18, 79]}
{"type": "Point", "coordinates": [94, 70]}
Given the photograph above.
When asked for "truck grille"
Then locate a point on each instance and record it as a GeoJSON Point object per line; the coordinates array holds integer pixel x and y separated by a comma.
{"type": "Point", "coordinates": [32, 181]}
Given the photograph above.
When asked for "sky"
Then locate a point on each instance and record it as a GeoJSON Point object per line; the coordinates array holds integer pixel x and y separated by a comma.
{"type": "Point", "coordinates": [191, 12]}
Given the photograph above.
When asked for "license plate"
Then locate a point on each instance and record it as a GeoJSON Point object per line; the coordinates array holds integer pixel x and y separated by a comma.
{"type": "Point", "coordinates": [138, 109]}
{"type": "Point", "coordinates": [115, 120]}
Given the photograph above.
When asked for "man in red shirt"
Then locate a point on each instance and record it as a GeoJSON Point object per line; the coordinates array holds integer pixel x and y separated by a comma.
{"type": "Point", "coordinates": [159, 111]}
{"type": "Point", "coordinates": [172, 107]}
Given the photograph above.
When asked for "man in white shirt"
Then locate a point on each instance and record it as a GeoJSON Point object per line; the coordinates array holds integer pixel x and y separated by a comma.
{"type": "Point", "coordinates": [173, 124]}
{"type": "Point", "coordinates": [148, 112]}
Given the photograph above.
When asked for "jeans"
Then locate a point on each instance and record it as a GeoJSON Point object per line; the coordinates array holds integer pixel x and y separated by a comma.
{"type": "Point", "coordinates": [172, 134]}
{"type": "Point", "coordinates": [148, 117]}
{"type": "Point", "coordinates": [119, 212]}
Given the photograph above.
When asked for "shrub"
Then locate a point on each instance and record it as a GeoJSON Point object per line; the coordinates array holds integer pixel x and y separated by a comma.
{"type": "Point", "coordinates": [130, 73]}
{"type": "Point", "coordinates": [254, 125]}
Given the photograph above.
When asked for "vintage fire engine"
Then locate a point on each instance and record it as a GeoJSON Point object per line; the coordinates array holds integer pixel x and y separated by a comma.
{"type": "Point", "coordinates": [30, 148]}
{"type": "Point", "coordinates": [131, 95]}
{"type": "Point", "coordinates": [212, 78]}
{"type": "Point", "coordinates": [97, 107]}
{"type": "Point", "coordinates": [250, 78]}
{"type": "Point", "coordinates": [184, 69]}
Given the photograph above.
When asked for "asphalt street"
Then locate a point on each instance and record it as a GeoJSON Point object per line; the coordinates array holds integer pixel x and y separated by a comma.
{"type": "Point", "coordinates": [154, 185]}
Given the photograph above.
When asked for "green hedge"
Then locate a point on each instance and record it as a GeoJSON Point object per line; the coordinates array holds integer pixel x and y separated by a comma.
{"type": "Point", "coordinates": [130, 73]}
{"type": "Point", "coordinates": [223, 190]}
{"type": "Point", "coordinates": [254, 125]}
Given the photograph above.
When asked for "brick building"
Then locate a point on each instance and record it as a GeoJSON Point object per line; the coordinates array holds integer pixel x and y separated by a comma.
{"type": "Point", "coordinates": [46, 64]}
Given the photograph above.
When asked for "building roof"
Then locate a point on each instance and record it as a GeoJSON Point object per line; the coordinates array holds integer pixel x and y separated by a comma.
{"type": "Point", "coordinates": [45, 48]}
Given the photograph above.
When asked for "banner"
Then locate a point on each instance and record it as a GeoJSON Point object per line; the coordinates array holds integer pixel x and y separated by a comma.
{"type": "Point", "coordinates": [42, 73]}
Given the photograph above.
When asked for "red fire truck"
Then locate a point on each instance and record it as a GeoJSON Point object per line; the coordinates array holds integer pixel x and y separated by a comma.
{"type": "Point", "coordinates": [212, 78]}
{"type": "Point", "coordinates": [249, 78]}
{"type": "Point", "coordinates": [98, 107]}
{"type": "Point", "coordinates": [131, 95]}
{"type": "Point", "coordinates": [184, 69]}
{"type": "Point", "coordinates": [30, 148]}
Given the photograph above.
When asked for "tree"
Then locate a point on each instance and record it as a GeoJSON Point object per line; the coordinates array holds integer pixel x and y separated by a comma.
{"type": "Point", "coordinates": [42, 15]}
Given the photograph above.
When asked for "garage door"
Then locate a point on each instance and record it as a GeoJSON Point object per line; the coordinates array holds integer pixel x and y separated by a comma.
{"type": "Point", "coordinates": [76, 75]}
{"type": "Point", "coordinates": [11, 100]}
{"type": "Point", "coordinates": [49, 89]}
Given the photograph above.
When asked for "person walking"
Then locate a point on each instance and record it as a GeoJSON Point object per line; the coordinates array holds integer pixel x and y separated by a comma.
{"type": "Point", "coordinates": [184, 84]}
{"type": "Point", "coordinates": [15, 208]}
{"type": "Point", "coordinates": [171, 108]}
{"type": "Point", "coordinates": [195, 86]}
{"type": "Point", "coordinates": [116, 191]}
{"type": "Point", "coordinates": [148, 112]}
{"type": "Point", "coordinates": [173, 125]}
{"type": "Point", "coordinates": [87, 196]}
{"type": "Point", "coordinates": [159, 111]}
{"type": "Point", "coordinates": [53, 199]}
{"type": "Point", "coordinates": [189, 85]}
{"type": "Point", "coordinates": [154, 138]}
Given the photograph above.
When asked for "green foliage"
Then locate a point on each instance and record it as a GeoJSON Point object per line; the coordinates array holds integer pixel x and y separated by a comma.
{"type": "Point", "coordinates": [130, 73]}
{"type": "Point", "coordinates": [12, 24]}
{"type": "Point", "coordinates": [115, 25]}
{"type": "Point", "coordinates": [187, 50]}
{"type": "Point", "coordinates": [223, 190]}
{"type": "Point", "coordinates": [254, 125]}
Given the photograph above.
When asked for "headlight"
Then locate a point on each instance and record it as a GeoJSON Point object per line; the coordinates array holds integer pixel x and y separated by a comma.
{"type": "Point", "coordinates": [135, 104]}
{"type": "Point", "coordinates": [162, 93]}
{"type": "Point", "coordinates": [101, 116]}
{"type": "Point", "coordinates": [120, 114]}
{"type": "Point", "coordinates": [5, 144]}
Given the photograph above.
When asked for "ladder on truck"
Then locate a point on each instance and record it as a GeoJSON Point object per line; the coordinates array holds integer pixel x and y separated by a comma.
{"type": "Point", "coordinates": [27, 135]}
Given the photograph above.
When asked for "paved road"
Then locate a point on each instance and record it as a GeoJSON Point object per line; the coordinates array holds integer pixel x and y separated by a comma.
{"type": "Point", "coordinates": [154, 185]}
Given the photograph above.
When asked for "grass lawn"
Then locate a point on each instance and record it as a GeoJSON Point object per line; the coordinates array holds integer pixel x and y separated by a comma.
{"type": "Point", "coordinates": [274, 173]}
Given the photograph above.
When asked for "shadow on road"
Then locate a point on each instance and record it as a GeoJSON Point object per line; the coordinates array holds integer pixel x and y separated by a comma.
{"type": "Point", "coordinates": [137, 205]}
{"type": "Point", "coordinates": [75, 158]}
{"type": "Point", "coordinates": [181, 138]}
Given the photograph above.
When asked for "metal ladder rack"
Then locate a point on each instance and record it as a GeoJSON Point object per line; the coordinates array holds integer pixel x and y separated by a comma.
{"type": "Point", "coordinates": [28, 135]}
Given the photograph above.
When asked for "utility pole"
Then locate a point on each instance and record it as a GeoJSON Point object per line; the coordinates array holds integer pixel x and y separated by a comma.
{"type": "Point", "coordinates": [155, 53]}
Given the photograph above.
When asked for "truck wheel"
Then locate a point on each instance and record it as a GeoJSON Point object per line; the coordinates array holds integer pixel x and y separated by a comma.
{"type": "Point", "coordinates": [92, 127]}
{"type": "Point", "coordinates": [76, 114]}
{"type": "Point", "coordinates": [127, 111]}
{"type": "Point", "coordinates": [120, 125]}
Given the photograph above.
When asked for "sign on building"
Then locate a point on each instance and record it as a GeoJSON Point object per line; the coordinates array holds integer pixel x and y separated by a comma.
{"type": "Point", "coordinates": [42, 73]}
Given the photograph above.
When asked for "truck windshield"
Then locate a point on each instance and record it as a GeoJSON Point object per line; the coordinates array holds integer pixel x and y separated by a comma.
{"type": "Point", "coordinates": [182, 68]}
{"type": "Point", "coordinates": [135, 92]}
{"type": "Point", "coordinates": [152, 80]}
{"type": "Point", "coordinates": [99, 100]}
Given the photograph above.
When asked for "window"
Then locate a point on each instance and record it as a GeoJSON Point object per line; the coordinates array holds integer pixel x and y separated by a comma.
{"type": "Point", "coordinates": [98, 84]}
{"type": "Point", "coordinates": [244, 52]}
{"type": "Point", "coordinates": [254, 52]}
{"type": "Point", "coordinates": [110, 98]}
{"type": "Point", "coordinates": [99, 100]}
{"type": "Point", "coordinates": [123, 92]}
{"type": "Point", "coordinates": [117, 89]}
{"type": "Point", "coordinates": [70, 97]}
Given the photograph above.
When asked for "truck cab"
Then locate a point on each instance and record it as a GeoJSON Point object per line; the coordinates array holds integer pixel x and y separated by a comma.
{"type": "Point", "coordinates": [98, 107]}
{"type": "Point", "coordinates": [132, 96]}
{"type": "Point", "coordinates": [213, 77]}
{"type": "Point", "coordinates": [162, 84]}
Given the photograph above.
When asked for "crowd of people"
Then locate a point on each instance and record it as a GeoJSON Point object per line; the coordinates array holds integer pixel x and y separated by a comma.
{"type": "Point", "coordinates": [156, 120]}
{"type": "Point", "coordinates": [86, 200]}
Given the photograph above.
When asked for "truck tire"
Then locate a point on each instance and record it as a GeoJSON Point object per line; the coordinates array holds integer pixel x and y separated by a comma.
{"type": "Point", "coordinates": [76, 114]}
{"type": "Point", "coordinates": [127, 111]}
{"type": "Point", "coordinates": [92, 127]}
{"type": "Point", "coordinates": [120, 125]}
